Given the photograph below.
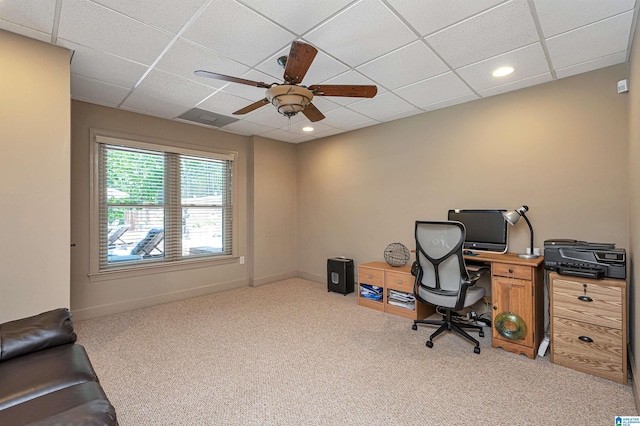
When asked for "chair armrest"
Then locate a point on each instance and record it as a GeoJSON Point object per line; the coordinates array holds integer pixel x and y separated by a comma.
{"type": "Point", "coordinates": [475, 275]}
{"type": "Point", "coordinates": [42, 331]}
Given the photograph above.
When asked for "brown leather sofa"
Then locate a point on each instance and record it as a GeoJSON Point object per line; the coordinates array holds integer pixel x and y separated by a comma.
{"type": "Point", "coordinates": [46, 378]}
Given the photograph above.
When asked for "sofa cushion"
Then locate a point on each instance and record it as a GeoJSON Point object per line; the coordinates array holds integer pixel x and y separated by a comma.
{"type": "Point", "coordinates": [42, 331]}
{"type": "Point", "coordinates": [82, 404]}
{"type": "Point", "coordinates": [38, 373]}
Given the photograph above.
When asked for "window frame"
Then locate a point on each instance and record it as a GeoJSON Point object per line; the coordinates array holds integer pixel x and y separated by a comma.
{"type": "Point", "coordinates": [99, 136]}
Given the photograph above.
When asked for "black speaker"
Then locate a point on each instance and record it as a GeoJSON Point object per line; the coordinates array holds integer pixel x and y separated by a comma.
{"type": "Point", "coordinates": [340, 275]}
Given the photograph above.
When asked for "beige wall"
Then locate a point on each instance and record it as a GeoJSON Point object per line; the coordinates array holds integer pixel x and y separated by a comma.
{"type": "Point", "coordinates": [560, 148]}
{"type": "Point", "coordinates": [634, 206]}
{"type": "Point", "coordinates": [274, 211]}
{"type": "Point", "coordinates": [94, 296]}
{"type": "Point", "coordinates": [34, 177]}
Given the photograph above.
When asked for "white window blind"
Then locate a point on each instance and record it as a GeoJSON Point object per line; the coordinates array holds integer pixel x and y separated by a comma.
{"type": "Point", "coordinates": [160, 206]}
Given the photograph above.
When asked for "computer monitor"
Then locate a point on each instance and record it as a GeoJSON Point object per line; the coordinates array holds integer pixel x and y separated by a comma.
{"type": "Point", "coordinates": [486, 229]}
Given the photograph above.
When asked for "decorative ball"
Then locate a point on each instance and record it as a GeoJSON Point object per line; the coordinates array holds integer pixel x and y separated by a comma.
{"type": "Point", "coordinates": [396, 254]}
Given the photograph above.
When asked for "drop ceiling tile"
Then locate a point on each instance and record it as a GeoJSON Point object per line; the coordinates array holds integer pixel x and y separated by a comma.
{"type": "Point", "coordinates": [159, 13]}
{"type": "Point", "coordinates": [224, 103]}
{"type": "Point", "coordinates": [496, 31]}
{"type": "Point", "coordinates": [527, 62]}
{"type": "Point", "coordinates": [404, 66]}
{"type": "Point", "coordinates": [281, 135]}
{"type": "Point", "coordinates": [381, 105]}
{"type": "Point", "coordinates": [103, 66]}
{"type": "Point", "coordinates": [34, 14]}
{"type": "Point", "coordinates": [605, 61]}
{"type": "Point", "coordinates": [434, 90]}
{"type": "Point", "coordinates": [560, 16]}
{"type": "Point", "coordinates": [450, 102]}
{"type": "Point", "coordinates": [343, 118]}
{"type": "Point", "coordinates": [322, 68]}
{"type": "Point", "coordinates": [160, 84]}
{"type": "Point", "coordinates": [520, 84]}
{"type": "Point", "coordinates": [361, 125]}
{"type": "Point", "coordinates": [184, 57]}
{"type": "Point", "coordinates": [102, 29]}
{"type": "Point", "coordinates": [590, 42]}
{"type": "Point", "coordinates": [399, 115]}
{"type": "Point", "coordinates": [247, 128]}
{"type": "Point", "coordinates": [25, 31]}
{"type": "Point", "coordinates": [331, 132]}
{"type": "Point", "coordinates": [361, 33]}
{"type": "Point", "coordinates": [303, 139]}
{"type": "Point", "coordinates": [86, 89]}
{"type": "Point", "coordinates": [298, 18]}
{"type": "Point", "coordinates": [318, 127]}
{"type": "Point", "coordinates": [431, 16]}
{"type": "Point", "coordinates": [235, 31]}
{"type": "Point", "coordinates": [151, 105]}
{"type": "Point", "coordinates": [350, 78]}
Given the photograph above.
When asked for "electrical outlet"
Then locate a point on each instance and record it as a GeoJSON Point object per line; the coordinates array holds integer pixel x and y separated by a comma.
{"type": "Point", "coordinates": [242, 260]}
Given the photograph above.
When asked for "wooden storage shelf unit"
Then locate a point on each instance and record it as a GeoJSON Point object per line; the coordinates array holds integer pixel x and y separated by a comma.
{"type": "Point", "coordinates": [389, 278]}
{"type": "Point", "coordinates": [589, 325]}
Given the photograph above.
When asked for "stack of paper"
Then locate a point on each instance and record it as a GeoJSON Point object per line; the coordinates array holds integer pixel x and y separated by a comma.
{"type": "Point", "coordinates": [370, 292]}
{"type": "Point", "coordinates": [402, 299]}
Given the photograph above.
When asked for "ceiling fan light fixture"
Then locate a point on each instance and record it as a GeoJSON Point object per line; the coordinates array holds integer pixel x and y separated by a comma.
{"type": "Point", "coordinates": [288, 99]}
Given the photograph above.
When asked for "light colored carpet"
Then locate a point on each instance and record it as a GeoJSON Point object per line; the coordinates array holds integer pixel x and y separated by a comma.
{"type": "Point", "coordinates": [290, 353]}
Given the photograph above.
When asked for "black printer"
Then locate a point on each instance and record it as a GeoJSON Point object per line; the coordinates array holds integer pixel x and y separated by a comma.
{"type": "Point", "coordinates": [584, 259]}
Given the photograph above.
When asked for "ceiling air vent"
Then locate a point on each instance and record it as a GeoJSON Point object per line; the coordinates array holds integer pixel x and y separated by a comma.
{"type": "Point", "coordinates": [207, 118]}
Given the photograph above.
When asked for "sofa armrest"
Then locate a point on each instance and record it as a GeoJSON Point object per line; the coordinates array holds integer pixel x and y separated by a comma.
{"type": "Point", "coordinates": [42, 331]}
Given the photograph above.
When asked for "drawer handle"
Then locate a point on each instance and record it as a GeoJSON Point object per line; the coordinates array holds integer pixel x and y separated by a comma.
{"type": "Point", "coordinates": [510, 271]}
{"type": "Point", "coordinates": [370, 276]}
{"type": "Point", "coordinates": [585, 299]}
{"type": "Point", "coordinates": [586, 339]}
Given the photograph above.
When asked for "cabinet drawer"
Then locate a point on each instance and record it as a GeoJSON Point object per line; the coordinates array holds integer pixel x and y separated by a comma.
{"type": "Point", "coordinates": [371, 276]}
{"type": "Point", "coordinates": [512, 271]}
{"type": "Point", "coordinates": [602, 306]}
{"type": "Point", "coordinates": [603, 356]}
{"type": "Point", "coordinates": [399, 281]}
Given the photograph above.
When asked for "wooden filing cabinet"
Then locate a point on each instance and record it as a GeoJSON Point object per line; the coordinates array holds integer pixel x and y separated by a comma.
{"type": "Point", "coordinates": [517, 288]}
{"type": "Point", "coordinates": [389, 278]}
{"type": "Point", "coordinates": [589, 325]}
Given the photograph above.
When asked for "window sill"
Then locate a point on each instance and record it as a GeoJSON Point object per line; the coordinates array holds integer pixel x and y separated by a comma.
{"type": "Point", "coordinates": [160, 268]}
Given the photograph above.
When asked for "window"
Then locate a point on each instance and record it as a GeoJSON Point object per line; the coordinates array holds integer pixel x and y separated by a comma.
{"type": "Point", "coordinates": [157, 204]}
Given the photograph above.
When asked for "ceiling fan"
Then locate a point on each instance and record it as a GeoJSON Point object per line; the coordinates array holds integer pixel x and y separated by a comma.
{"type": "Point", "coordinates": [291, 97]}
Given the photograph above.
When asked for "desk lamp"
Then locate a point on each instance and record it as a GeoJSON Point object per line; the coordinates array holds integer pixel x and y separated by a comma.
{"type": "Point", "coordinates": [512, 217]}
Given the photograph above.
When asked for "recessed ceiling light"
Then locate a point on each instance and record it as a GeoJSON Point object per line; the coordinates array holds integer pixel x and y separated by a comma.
{"type": "Point", "coordinates": [307, 129]}
{"type": "Point", "coordinates": [502, 71]}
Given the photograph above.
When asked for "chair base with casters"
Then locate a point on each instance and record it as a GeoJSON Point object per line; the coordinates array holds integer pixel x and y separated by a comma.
{"type": "Point", "coordinates": [447, 324]}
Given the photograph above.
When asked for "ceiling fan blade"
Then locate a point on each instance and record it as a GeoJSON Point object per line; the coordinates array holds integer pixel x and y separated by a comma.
{"type": "Point", "coordinates": [300, 57]}
{"type": "Point", "coordinates": [344, 90]}
{"type": "Point", "coordinates": [201, 73]}
{"type": "Point", "coordinates": [312, 113]}
{"type": "Point", "coordinates": [252, 107]}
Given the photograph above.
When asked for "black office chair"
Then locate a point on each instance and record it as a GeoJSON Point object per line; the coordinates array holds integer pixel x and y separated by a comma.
{"type": "Point", "coordinates": [442, 278]}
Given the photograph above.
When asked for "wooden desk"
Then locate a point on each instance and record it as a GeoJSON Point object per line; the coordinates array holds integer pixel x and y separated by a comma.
{"type": "Point", "coordinates": [517, 286]}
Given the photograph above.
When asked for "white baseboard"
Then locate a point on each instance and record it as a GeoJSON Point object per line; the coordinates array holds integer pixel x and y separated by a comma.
{"type": "Point", "coordinates": [274, 278]}
{"type": "Point", "coordinates": [312, 277]}
{"type": "Point", "coordinates": [157, 299]}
